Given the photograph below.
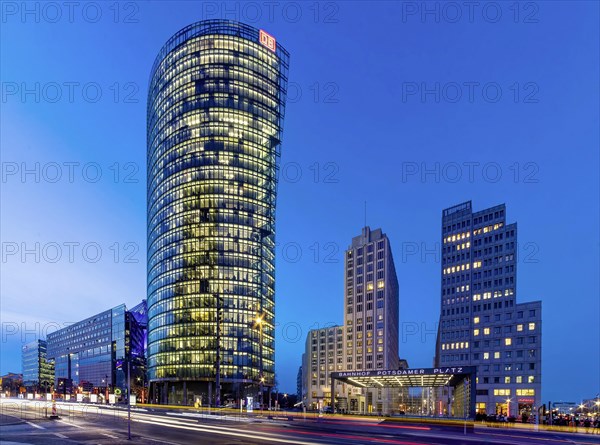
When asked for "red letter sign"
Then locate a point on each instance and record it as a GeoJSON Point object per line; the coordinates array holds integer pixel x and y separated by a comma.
{"type": "Point", "coordinates": [268, 40]}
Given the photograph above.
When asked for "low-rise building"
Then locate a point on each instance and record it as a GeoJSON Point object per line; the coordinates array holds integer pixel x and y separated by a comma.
{"type": "Point", "coordinates": [323, 355]}
{"type": "Point", "coordinates": [93, 353]}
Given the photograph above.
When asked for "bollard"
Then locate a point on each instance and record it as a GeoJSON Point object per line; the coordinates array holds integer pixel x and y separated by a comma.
{"type": "Point", "coordinates": [54, 415]}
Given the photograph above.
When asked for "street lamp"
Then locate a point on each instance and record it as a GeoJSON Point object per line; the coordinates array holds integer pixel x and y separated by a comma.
{"type": "Point", "coordinates": [259, 237]}
{"type": "Point", "coordinates": [138, 380]}
{"type": "Point", "coordinates": [259, 322]}
{"type": "Point", "coordinates": [143, 380]}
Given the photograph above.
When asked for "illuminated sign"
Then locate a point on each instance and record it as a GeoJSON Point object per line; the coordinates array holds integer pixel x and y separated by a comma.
{"type": "Point", "coordinates": [268, 40]}
{"type": "Point", "coordinates": [397, 372]}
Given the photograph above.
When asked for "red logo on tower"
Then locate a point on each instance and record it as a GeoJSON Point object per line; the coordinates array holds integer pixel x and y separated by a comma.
{"type": "Point", "coordinates": [268, 40]}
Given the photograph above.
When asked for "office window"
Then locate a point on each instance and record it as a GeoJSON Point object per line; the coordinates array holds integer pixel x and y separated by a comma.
{"type": "Point", "coordinates": [526, 392]}
{"type": "Point", "coordinates": [502, 392]}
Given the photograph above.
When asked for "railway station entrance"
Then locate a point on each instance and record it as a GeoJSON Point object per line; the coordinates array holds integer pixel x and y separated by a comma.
{"type": "Point", "coordinates": [447, 392]}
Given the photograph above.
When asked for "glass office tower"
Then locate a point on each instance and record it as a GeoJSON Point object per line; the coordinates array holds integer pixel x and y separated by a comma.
{"type": "Point", "coordinates": [216, 104]}
{"type": "Point", "coordinates": [91, 353]}
{"type": "Point", "coordinates": [38, 371]}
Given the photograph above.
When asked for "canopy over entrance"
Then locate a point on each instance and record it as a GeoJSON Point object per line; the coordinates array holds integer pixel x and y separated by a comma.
{"type": "Point", "coordinates": [460, 379]}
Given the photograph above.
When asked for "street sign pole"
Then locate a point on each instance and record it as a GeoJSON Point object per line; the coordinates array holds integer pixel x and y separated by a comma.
{"type": "Point", "coordinates": [129, 398]}
{"type": "Point", "coordinates": [465, 402]}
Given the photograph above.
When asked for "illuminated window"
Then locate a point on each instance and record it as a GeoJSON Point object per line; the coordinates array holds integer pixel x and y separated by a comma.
{"type": "Point", "coordinates": [507, 379]}
{"type": "Point", "coordinates": [476, 320]}
{"type": "Point", "coordinates": [531, 326]}
{"type": "Point", "coordinates": [519, 327]}
{"type": "Point", "coordinates": [526, 392]}
{"type": "Point", "coordinates": [496, 355]}
{"type": "Point", "coordinates": [502, 392]}
{"type": "Point", "coordinates": [508, 341]}
{"type": "Point", "coordinates": [530, 379]}
{"type": "Point", "coordinates": [476, 332]}
{"type": "Point", "coordinates": [486, 331]}
{"type": "Point", "coordinates": [519, 379]}
{"type": "Point", "coordinates": [380, 284]}
{"type": "Point", "coordinates": [486, 355]}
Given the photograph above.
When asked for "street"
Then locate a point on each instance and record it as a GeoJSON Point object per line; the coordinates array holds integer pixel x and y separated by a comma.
{"type": "Point", "coordinates": [23, 422]}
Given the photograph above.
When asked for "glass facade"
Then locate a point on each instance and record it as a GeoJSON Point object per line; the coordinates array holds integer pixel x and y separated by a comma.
{"type": "Point", "coordinates": [216, 104]}
{"type": "Point", "coordinates": [38, 372]}
{"type": "Point", "coordinates": [90, 353]}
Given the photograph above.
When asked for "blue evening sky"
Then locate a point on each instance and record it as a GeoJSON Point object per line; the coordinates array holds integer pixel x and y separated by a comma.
{"type": "Point", "coordinates": [515, 122]}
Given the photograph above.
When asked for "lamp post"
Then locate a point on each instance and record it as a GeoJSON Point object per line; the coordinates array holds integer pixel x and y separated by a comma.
{"type": "Point", "coordinates": [218, 352]}
{"type": "Point", "coordinates": [259, 322]}
{"type": "Point", "coordinates": [141, 379]}
{"type": "Point", "coordinates": [129, 397]}
{"type": "Point", "coordinates": [259, 237]}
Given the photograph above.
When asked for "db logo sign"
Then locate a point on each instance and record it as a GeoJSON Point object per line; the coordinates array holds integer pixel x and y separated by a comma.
{"type": "Point", "coordinates": [267, 39]}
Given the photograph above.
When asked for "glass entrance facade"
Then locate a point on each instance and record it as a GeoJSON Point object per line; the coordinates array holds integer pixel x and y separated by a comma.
{"type": "Point", "coordinates": [216, 104]}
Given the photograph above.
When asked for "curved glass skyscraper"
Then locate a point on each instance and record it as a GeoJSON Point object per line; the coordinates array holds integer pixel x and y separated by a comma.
{"type": "Point", "coordinates": [216, 104]}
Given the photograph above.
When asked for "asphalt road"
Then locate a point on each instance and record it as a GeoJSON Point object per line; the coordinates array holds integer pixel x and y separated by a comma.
{"type": "Point", "coordinates": [93, 426]}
